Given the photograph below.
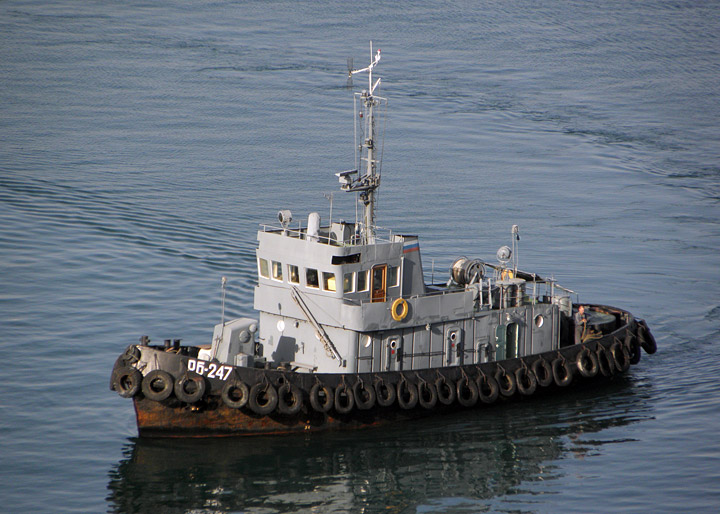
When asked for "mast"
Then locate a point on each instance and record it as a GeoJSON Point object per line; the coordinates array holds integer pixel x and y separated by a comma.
{"type": "Point", "coordinates": [365, 179]}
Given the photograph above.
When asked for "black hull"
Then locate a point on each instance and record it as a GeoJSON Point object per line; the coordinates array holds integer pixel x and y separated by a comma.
{"type": "Point", "coordinates": [468, 386]}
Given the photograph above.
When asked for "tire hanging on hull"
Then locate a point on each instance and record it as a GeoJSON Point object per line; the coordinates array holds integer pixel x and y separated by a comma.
{"type": "Point", "coordinates": [562, 372]}
{"type": "Point", "coordinates": [365, 396]}
{"type": "Point", "coordinates": [157, 385]}
{"type": "Point", "coordinates": [385, 393]}
{"type": "Point", "coordinates": [427, 395]}
{"type": "Point", "coordinates": [543, 372]}
{"type": "Point", "coordinates": [488, 389]}
{"type": "Point", "coordinates": [235, 394]}
{"type": "Point", "coordinates": [263, 398]}
{"type": "Point", "coordinates": [467, 392]}
{"type": "Point", "coordinates": [290, 399]}
{"type": "Point", "coordinates": [321, 397]}
{"type": "Point", "coordinates": [526, 381]}
{"type": "Point", "coordinates": [190, 387]}
{"type": "Point", "coordinates": [587, 363]}
{"type": "Point", "coordinates": [127, 381]}
{"type": "Point", "coordinates": [506, 382]}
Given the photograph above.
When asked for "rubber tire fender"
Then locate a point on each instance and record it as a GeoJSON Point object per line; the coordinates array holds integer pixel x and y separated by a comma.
{"type": "Point", "coordinates": [151, 381]}
{"type": "Point", "coordinates": [647, 341]}
{"type": "Point", "coordinates": [429, 388]}
{"type": "Point", "coordinates": [190, 396]}
{"type": "Point", "coordinates": [257, 403]}
{"type": "Point", "coordinates": [506, 382]}
{"type": "Point", "coordinates": [620, 355]}
{"type": "Point", "coordinates": [290, 399]}
{"type": "Point", "coordinates": [522, 375]}
{"type": "Point", "coordinates": [316, 402]}
{"type": "Point", "coordinates": [547, 374]}
{"type": "Point", "coordinates": [385, 393]}
{"type": "Point", "coordinates": [487, 382]}
{"type": "Point", "coordinates": [344, 390]}
{"type": "Point", "coordinates": [405, 388]}
{"type": "Point", "coordinates": [131, 355]}
{"type": "Point", "coordinates": [587, 363]}
{"type": "Point", "coordinates": [445, 390]}
{"type": "Point", "coordinates": [365, 395]}
{"type": "Point", "coordinates": [605, 363]}
{"type": "Point", "coordinates": [229, 395]}
{"type": "Point", "coordinates": [127, 381]}
{"type": "Point", "coordinates": [633, 346]}
{"type": "Point", "coordinates": [562, 372]}
{"type": "Point", "coordinates": [465, 384]}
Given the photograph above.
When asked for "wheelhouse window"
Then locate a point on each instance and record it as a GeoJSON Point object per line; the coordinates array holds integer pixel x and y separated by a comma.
{"type": "Point", "coordinates": [348, 283]}
{"type": "Point", "coordinates": [312, 278]}
{"type": "Point", "coordinates": [293, 274]}
{"type": "Point", "coordinates": [362, 281]}
{"type": "Point", "coordinates": [263, 268]}
{"type": "Point", "coordinates": [329, 282]}
{"type": "Point", "coordinates": [392, 276]}
{"type": "Point", "coordinates": [277, 271]}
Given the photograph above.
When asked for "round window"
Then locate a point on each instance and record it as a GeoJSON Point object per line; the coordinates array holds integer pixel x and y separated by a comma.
{"type": "Point", "coordinates": [539, 320]}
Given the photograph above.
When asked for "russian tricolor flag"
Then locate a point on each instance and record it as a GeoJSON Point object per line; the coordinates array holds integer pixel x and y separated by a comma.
{"type": "Point", "coordinates": [411, 246]}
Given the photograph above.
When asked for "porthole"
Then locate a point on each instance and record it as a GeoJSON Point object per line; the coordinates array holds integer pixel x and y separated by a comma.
{"type": "Point", "coordinates": [368, 341]}
{"type": "Point", "coordinates": [539, 320]}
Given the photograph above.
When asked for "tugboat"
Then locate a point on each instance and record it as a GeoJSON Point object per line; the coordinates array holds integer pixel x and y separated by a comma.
{"type": "Point", "coordinates": [349, 334]}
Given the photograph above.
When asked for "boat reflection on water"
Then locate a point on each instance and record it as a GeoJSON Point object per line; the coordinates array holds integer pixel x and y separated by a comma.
{"type": "Point", "coordinates": [471, 458]}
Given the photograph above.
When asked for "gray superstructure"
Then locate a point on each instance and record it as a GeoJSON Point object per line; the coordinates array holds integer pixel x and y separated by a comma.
{"type": "Point", "coordinates": [326, 293]}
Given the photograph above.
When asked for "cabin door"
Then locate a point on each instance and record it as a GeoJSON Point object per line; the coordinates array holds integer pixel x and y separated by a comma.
{"type": "Point", "coordinates": [379, 283]}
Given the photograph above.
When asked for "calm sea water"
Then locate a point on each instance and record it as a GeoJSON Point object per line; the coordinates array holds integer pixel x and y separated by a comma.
{"type": "Point", "coordinates": [141, 144]}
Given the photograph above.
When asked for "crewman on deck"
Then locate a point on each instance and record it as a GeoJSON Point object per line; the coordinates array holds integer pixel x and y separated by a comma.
{"type": "Point", "coordinates": [580, 324]}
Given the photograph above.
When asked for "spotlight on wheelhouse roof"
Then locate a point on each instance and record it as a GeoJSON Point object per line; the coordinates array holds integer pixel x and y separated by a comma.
{"type": "Point", "coordinates": [285, 217]}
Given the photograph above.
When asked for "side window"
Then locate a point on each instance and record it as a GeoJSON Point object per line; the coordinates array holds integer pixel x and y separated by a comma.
{"type": "Point", "coordinates": [362, 281]}
{"type": "Point", "coordinates": [277, 270]}
{"type": "Point", "coordinates": [348, 283]}
{"type": "Point", "coordinates": [263, 268]}
{"type": "Point", "coordinates": [392, 277]}
{"type": "Point", "coordinates": [311, 278]}
{"type": "Point", "coordinates": [293, 274]}
{"type": "Point", "coordinates": [329, 281]}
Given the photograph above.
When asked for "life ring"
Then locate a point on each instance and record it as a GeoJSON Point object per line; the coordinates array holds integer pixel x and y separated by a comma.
{"type": "Point", "coordinates": [127, 381]}
{"type": "Point", "coordinates": [427, 395]}
{"type": "Point", "coordinates": [543, 372]}
{"type": "Point", "coordinates": [402, 314]}
{"type": "Point", "coordinates": [364, 395]}
{"type": "Point", "coordinates": [488, 389]}
{"type": "Point", "coordinates": [235, 394]}
{"type": "Point", "coordinates": [190, 387]}
{"type": "Point", "coordinates": [407, 394]}
{"type": "Point", "coordinates": [587, 363]}
{"type": "Point", "coordinates": [385, 393]}
{"type": "Point", "coordinates": [321, 397]}
{"type": "Point", "coordinates": [445, 390]}
{"type": "Point", "coordinates": [506, 382]}
{"type": "Point", "coordinates": [263, 398]}
{"type": "Point", "coordinates": [157, 385]}
{"type": "Point", "coordinates": [562, 372]}
{"type": "Point", "coordinates": [467, 392]}
{"type": "Point", "coordinates": [526, 381]}
{"type": "Point", "coordinates": [605, 364]}
{"type": "Point", "coordinates": [289, 399]}
{"type": "Point", "coordinates": [344, 399]}
{"type": "Point", "coordinates": [647, 341]}
{"type": "Point", "coordinates": [620, 355]}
